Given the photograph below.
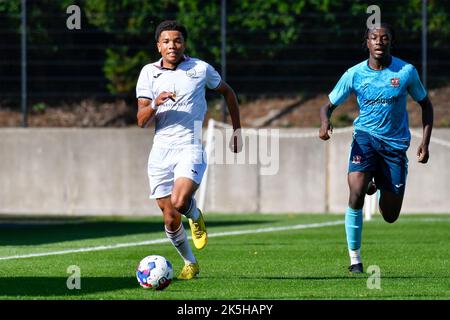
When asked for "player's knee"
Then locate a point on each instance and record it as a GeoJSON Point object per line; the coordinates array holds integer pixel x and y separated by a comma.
{"type": "Point", "coordinates": [169, 222]}
{"type": "Point", "coordinates": [180, 203]}
{"type": "Point", "coordinates": [390, 216]}
{"type": "Point", "coordinates": [172, 219]}
{"type": "Point", "coordinates": [356, 200]}
{"type": "Point", "coordinates": [355, 204]}
{"type": "Point", "coordinates": [390, 219]}
{"type": "Point", "coordinates": [172, 224]}
{"type": "Point", "coordinates": [390, 208]}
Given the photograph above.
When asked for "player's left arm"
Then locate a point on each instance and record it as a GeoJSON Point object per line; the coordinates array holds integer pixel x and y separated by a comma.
{"type": "Point", "coordinates": [233, 108]}
{"type": "Point", "coordinates": [423, 153]}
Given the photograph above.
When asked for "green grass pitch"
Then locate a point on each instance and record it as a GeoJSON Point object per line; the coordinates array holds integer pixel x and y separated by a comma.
{"type": "Point", "coordinates": [309, 262]}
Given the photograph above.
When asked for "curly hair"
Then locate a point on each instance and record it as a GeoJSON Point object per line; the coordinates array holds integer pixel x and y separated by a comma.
{"type": "Point", "coordinates": [170, 25]}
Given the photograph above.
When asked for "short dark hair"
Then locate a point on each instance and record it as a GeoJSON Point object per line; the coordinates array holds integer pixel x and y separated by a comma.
{"type": "Point", "coordinates": [383, 25]}
{"type": "Point", "coordinates": [170, 25]}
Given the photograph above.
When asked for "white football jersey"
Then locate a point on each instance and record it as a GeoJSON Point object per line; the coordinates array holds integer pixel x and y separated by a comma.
{"type": "Point", "coordinates": [177, 121]}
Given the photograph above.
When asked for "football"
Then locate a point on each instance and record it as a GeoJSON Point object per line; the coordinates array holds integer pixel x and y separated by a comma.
{"type": "Point", "coordinates": [154, 272]}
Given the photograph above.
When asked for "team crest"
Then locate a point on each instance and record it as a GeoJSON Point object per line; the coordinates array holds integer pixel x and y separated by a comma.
{"type": "Point", "coordinates": [395, 82]}
{"type": "Point", "coordinates": [356, 159]}
{"type": "Point", "coordinates": [191, 73]}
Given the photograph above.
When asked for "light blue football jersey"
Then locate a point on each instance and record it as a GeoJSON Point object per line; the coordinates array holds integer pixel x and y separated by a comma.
{"type": "Point", "coordinates": [381, 97]}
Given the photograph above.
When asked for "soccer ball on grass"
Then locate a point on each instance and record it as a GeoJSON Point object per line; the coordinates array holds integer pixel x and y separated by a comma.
{"type": "Point", "coordinates": [154, 272]}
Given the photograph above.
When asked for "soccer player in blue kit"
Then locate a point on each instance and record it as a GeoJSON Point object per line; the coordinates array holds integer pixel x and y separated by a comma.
{"type": "Point", "coordinates": [381, 134]}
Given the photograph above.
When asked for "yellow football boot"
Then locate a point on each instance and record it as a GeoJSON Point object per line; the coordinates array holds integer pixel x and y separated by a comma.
{"type": "Point", "coordinates": [198, 229]}
{"type": "Point", "coordinates": [189, 271]}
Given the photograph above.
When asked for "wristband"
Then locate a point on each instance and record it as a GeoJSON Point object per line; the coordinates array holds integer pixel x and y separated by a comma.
{"type": "Point", "coordinates": [153, 105]}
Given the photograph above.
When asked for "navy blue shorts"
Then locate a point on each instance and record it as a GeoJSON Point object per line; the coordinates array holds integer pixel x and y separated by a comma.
{"type": "Point", "coordinates": [389, 166]}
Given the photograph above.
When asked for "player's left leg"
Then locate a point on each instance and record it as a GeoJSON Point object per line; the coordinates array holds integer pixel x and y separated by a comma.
{"type": "Point", "coordinates": [390, 178]}
{"type": "Point", "coordinates": [390, 205]}
{"type": "Point", "coordinates": [183, 199]}
{"type": "Point", "coordinates": [188, 176]}
{"type": "Point", "coordinates": [182, 195]}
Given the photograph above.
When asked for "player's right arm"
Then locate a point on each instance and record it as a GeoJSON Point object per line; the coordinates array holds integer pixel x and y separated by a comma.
{"type": "Point", "coordinates": [147, 108]}
{"type": "Point", "coordinates": [339, 94]}
{"type": "Point", "coordinates": [326, 128]}
{"type": "Point", "coordinates": [147, 103]}
{"type": "Point", "coordinates": [145, 112]}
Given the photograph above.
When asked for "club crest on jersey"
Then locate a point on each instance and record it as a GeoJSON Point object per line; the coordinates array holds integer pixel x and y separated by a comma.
{"type": "Point", "coordinates": [191, 73]}
{"type": "Point", "coordinates": [356, 159]}
{"type": "Point", "coordinates": [395, 82]}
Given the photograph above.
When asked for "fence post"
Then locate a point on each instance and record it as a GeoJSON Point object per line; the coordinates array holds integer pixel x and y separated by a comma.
{"type": "Point", "coordinates": [424, 42]}
{"type": "Point", "coordinates": [223, 55]}
{"type": "Point", "coordinates": [23, 29]}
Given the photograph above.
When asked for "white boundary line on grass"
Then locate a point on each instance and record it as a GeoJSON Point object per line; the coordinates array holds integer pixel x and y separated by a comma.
{"type": "Point", "coordinates": [164, 240]}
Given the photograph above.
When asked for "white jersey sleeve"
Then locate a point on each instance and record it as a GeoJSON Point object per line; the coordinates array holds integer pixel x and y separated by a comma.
{"type": "Point", "coordinates": [213, 78]}
{"type": "Point", "coordinates": [144, 84]}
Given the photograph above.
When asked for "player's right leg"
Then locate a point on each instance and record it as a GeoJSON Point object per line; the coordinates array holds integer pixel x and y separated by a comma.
{"type": "Point", "coordinates": [362, 162]}
{"type": "Point", "coordinates": [357, 182]}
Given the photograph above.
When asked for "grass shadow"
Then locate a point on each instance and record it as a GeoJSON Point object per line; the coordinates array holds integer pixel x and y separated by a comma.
{"type": "Point", "coordinates": [19, 287]}
{"type": "Point", "coordinates": [19, 232]}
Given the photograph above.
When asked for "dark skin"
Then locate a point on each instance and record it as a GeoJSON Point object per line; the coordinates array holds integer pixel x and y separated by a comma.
{"type": "Point", "coordinates": [171, 45]}
{"type": "Point", "coordinates": [379, 45]}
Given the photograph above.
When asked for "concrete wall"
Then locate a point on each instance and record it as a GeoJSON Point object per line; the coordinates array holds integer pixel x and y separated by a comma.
{"type": "Point", "coordinates": [291, 177]}
{"type": "Point", "coordinates": [74, 171]}
{"type": "Point", "coordinates": [104, 172]}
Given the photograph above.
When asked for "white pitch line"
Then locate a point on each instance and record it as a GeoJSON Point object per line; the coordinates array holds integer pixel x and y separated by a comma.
{"type": "Point", "coordinates": [156, 241]}
{"type": "Point", "coordinates": [413, 219]}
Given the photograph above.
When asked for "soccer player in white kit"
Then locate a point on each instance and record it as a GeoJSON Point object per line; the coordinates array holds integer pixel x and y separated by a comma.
{"type": "Point", "coordinates": [172, 91]}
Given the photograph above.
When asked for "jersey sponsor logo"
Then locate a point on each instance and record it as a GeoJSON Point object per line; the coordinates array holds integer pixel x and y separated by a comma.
{"type": "Point", "coordinates": [395, 82]}
{"type": "Point", "coordinates": [168, 104]}
{"type": "Point", "coordinates": [382, 100]}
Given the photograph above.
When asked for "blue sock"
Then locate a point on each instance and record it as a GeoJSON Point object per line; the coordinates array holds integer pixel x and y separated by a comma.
{"type": "Point", "coordinates": [353, 227]}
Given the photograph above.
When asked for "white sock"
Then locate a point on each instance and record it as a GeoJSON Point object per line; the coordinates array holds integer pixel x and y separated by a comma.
{"type": "Point", "coordinates": [180, 242]}
{"type": "Point", "coordinates": [192, 212]}
{"type": "Point", "coordinates": [355, 256]}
